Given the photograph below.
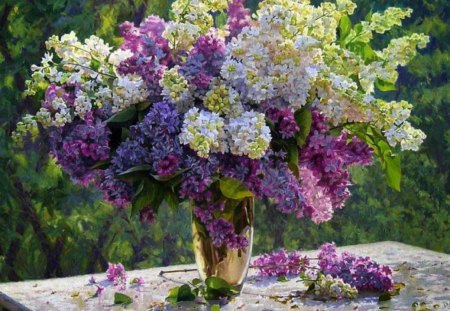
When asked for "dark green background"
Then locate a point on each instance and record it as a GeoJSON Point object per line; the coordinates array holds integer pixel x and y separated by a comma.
{"type": "Point", "coordinates": [49, 227]}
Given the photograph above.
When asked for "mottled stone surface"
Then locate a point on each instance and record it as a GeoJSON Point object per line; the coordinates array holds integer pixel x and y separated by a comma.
{"type": "Point", "coordinates": [425, 273]}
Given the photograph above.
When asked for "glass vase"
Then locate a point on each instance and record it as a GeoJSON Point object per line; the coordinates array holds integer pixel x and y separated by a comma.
{"type": "Point", "coordinates": [227, 263]}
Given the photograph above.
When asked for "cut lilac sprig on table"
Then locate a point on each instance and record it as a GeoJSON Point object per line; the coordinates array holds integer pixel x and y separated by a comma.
{"type": "Point", "coordinates": [334, 273]}
{"type": "Point", "coordinates": [117, 274]}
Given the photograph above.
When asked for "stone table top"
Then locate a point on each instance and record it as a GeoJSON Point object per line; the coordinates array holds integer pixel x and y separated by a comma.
{"type": "Point", "coordinates": [425, 273]}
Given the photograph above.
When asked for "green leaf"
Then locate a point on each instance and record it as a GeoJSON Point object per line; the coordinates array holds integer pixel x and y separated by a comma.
{"type": "Point", "coordinates": [173, 295]}
{"type": "Point", "coordinates": [345, 26]}
{"type": "Point", "coordinates": [393, 171]}
{"type": "Point", "coordinates": [234, 189]}
{"type": "Point", "coordinates": [100, 165]}
{"type": "Point", "coordinates": [134, 169]}
{"type": "Point", "coordinates": [384, 297]}
{"type": "Point", "coordinates": [180, 293]}
{"type": "Point", "coordinates": [143, 106]}
{"type": "Point", "coordinates": [292, 157]}
{"type": "Point", "coordinates": [282, 279]}
{"type": "Point", "coordinates": [368, 54]}
{"type": "Point", "coordinates": [185, 293]}
{"type": "Point", "coordinates": [95, 64]}
{"type": "Point", "coordinates": [384, 86]}
{"type": "Point", "coordinates": [376, 140]}
{"type": "Point", "coordinates": [303, 117]}
{"type": "Point", "coordinates": [135, 173]}
{"type": "Point", "coordinates": [217, 283]}
{"type": "Point", "coordinates": [122, 299]}
{"type": "Point", "coordinates": [124, 134]}
{"type": "Point", "coordinates": [196, 282]}
{"type": "Point", "coordinates": [171, 199]}
{"type": "Point", "coordinates": [215, 308]}
{"type": "Point", "coordinates": [144, 197]}
{"type": "Point", "coordinates": [123, 116]}
{"type": "Point", "coordinates": [220, 20]}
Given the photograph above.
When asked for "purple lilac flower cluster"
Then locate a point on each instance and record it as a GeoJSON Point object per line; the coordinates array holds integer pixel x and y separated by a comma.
{"type": "Point", "coordinates": [204, 62]}
{"type": "Point", "coordinates": [281, 263]}
{"type": "Point", "coordinates": [79, 145]}
{"type": "Point", "coordinates": [153, 142]}
{"type": "Point", "coordinates": [198, 176]}
{"type": "Point", "coordinates": [221, 231]}
{"type": "Point", "coordinates": [246, 170]}
{"type": "Point", "coordinates": [280, 185]}
{"type": "Point", "coordinates": [360, 272]}
{"type": "Point", "coordinates": [324, 163]}
{"type": "Point", "coordinates": [285, 120]}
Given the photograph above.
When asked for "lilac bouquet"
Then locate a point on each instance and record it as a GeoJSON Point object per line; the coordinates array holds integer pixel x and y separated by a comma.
{"type": "Point", "coordinates": [216, 106]}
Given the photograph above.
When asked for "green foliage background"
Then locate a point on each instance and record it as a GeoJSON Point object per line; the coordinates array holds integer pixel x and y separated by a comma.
{"type": "Point", "coordinates": [49, 227]}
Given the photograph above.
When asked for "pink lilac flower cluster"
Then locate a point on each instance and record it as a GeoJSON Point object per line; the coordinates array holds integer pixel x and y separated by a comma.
{"type": "Point", "coordinates": [238, 17]}
{"type": "Point", "coordinates": [360, 272]}
{"type": "Point", "coordinates": [116, 273]}
{"type": "Point", "coordinates": [281, 263]}
{"type": "Point", "coordinates": [324, 163]}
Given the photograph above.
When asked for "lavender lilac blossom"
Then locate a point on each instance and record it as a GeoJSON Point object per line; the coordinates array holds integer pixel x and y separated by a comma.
{"type": "Point", "coordinates": [280, 185]}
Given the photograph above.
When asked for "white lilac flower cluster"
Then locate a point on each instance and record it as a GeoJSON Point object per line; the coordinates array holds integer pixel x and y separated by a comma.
{"type": "Point", "coordinates": [248, 135]}
{"type": "Point", "coordinates": [27, 126]}
{"type": "Point", "coordinates": [207, 132]}
{"type": "Point", "coordinates": [89, 68]}
{"type": "Point", "coordinates": [223, 100]}
{"type": "Point", "coordinates": [204, 132]}
{"type": "Point", "coordinates": [269, 66]}
{"type": "Point", "coordinates": [192, 19]}
{"type": "Point", "coordinates": [128, 90]}
{"type": "Point", "coordinates": [175, 88]}
{"type": "Point", "coordinates": [326, 285]}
